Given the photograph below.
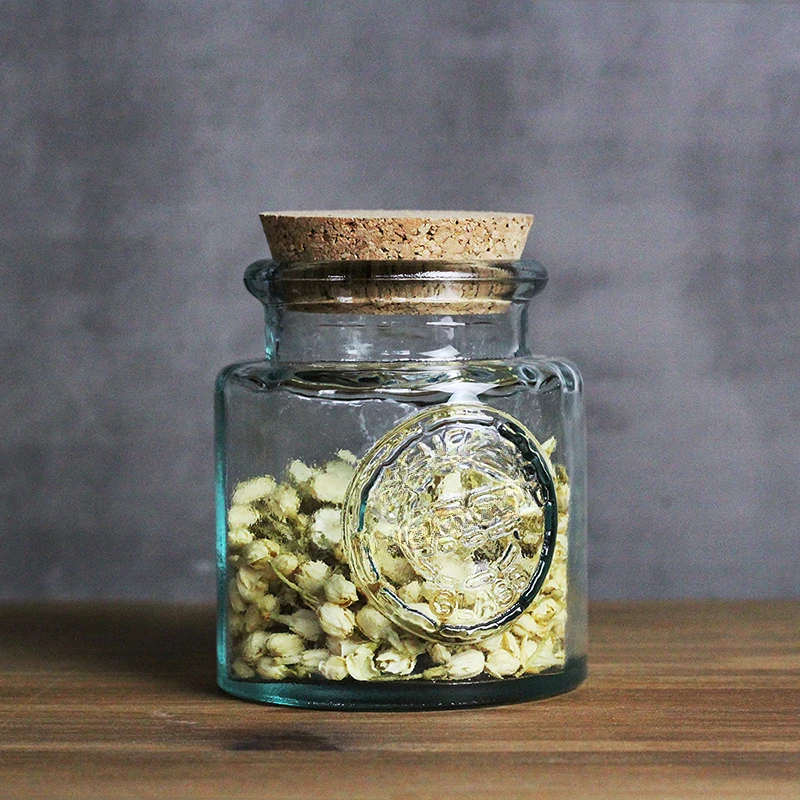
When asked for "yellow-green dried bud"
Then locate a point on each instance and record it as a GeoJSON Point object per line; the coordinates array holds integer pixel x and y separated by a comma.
{"type": "Point", "coordinates": [251, 491]}
{"type": "Point", "coordinates": [312, 575]}
{"type": "Point", "coordinates": [285, 563]}
{"type": "Point", "coordinates": [372, 623]}
{"type": "Point", "coordinates": [343, 647]}
{"type": "Point", "coordinates": [287, 501]}
{"type": "Point", "coordinates": [525, 625]}
{"type": "Point", "coordinates": [304, 623]}
{"type": "Point", "coordinates": [239, 537]}
{"type": "Point", "coordinates": [339, 590]}
{"type": "Point", "coordinates": [237, 603]}
{"type": "Point", "coordinates": [395, 663]}
{"type": "Point", "coordinates": [491, 643]}
{"type": "Point", "coordinates": [335, 620]}
{"type": "Point", "coordinates": [283, 645]}
{"type": "Point", "coordinates": [545, 609]}
{"type": "Point", "coordinates": [439, 653]}
{"type": "Point", "coordinates": [510, 643]}
{"type": "Point", "coordinates": [501, 663]}
{"type": "Point", "coordinates": [242, 517]}
{"type": "Point", "coordinates": [312, 659]}
{"type": "Point", "coordinates": [397, 570]}
{"type": "Point", "coordinates": [299, 474]}
{"type": "Point", "coordinates": [466, 664]}
{"type": "Point", "coordinates": [260, 553]}
{"type": "Point", "coordinates": [270, 670]}
{"type": "Point", "coordinates": [360, 664]}
{"type": "Point", "coordinates": [329, 485]}
{"type": "Point", "coordinates": [326, 527]}
{"type": "Point", "coordinates": [410, 592]}
{"type": "Point", "coordinates": [237, 624]}
{"type": "Point", "coordinates": [251, 584]}
{"type": "Point", "coordinates": [241, 671]}
{"type": "Point", "coordinates": [334, 669]}
{"type": "Point", "coordinates": [254, 646]}
{"type": "Point", "coordinates": [347, 457]}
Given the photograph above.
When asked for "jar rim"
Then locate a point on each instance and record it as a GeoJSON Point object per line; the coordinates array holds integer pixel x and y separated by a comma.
{"type": "Point", "coordinates": [395, 286]}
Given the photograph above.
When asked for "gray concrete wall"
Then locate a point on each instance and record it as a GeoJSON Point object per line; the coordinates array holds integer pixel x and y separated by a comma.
{"type": "Point", "coordinates": [658, 145]}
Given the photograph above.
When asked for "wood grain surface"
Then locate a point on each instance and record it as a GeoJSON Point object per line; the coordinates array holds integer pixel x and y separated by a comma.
{"type": "Point", "coordinates": [683, 700]}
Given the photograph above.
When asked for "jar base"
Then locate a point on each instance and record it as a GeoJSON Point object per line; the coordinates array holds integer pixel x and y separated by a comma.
{"type": "Point", "coordinates": [408, 695]}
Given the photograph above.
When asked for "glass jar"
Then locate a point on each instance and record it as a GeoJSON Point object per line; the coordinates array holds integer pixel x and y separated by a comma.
{"type": "Point", "coordinates": [400, 482]}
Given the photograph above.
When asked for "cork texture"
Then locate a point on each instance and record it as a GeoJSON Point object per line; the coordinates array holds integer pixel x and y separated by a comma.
{"type": "Point", "coordinates": [390, 235]}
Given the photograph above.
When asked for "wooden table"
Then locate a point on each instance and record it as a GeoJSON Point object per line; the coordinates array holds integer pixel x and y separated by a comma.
{"type": "Point", "coordinates": [683, 700]}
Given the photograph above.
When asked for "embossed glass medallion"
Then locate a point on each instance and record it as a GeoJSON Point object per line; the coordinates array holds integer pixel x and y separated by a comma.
{"type": "Point", "coordinates": [450, 522]}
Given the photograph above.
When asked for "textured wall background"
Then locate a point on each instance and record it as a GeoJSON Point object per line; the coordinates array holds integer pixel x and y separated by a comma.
{"type": "Point", "coordinates": [657, 143]}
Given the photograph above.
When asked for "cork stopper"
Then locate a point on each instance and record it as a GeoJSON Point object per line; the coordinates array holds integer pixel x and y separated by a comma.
{"type": "Point", "coordinates": [390, 235]}
{"type": "Point", "coordinates": [396, 262]}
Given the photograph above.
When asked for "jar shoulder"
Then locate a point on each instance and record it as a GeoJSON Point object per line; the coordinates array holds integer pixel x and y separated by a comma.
{"type": "Point", "coordinates": [361, 379]}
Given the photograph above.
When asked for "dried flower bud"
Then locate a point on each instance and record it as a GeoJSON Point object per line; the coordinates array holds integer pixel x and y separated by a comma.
{"type": "Point", "coordinates": [491, 643]}
{"type": "Point", "coordinates": [360, 664]}
{"type": "Point", "coordinates": [287, 501]}
{"type": "Point", "coordinates": [283, 645]}
{"type": "Point", "coordinates": [312, 659]}
{"type": "Point", "coordinates": [501, 662]}
{"type": "Point", "coordinates": [335, 620]}
{"type": "Point", "coordinates": [312, 575]}
{"type": "Point", "coordinates": [270, 670]}
{"type": "Point", "coordinates": [439, 654]}
{"type": "Point", "coordinates": [326, 527]}
{"type": "Point", "coordinates": [410, 592]}
{"type": "Point", "coordinates": [254, 647]}
{"type": "Point", "coordinates": [342, 647]}
{"type": "Point", "coordinates": [466, 664]}
{"type": "Point", "coordinates": [525, 625]}
{"type": "Point", "coordinates": [237, 603]}
{"type": "Point", "coordinates": [251, 584]}
{"type": "Point", "coordinates": [329, 485]}
{"type": "Point", "coordinates": [304, 623]}
{"type": "Point", "coordinates": [347, 457]}
{"type": "Point", "coordinates": [545, 609]}
{"type": "Point", "coordinates": [242, 517]}
{"type": "Point", "coordinates": [253, 490]}
{"type": "Point", "coordinates": [334, 669]}
{"type": "Point", "coordinates": [241, 671]}
{"type": "Point", "coordinates": [260, 553]}
{"type": "Point", "coordinates": [395, 663]}
{"type": "Point", "coordinates": [239, 537]}
{"type": "Point", "coordinates": [339, 590]}
{"type": "Point", "coordinates": [299, 474]}
{"type": "Point", "coordinates": [285, 563]}
{"type": "Point", "coordinates": [373, 624]}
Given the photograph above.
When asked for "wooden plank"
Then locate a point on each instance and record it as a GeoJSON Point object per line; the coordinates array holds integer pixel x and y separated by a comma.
{"type": "Point", "coordinates": [684, 699]}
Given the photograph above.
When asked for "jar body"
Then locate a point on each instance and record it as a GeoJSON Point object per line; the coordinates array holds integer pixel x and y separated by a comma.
{"type": "Point", "coordinates": [300, 623]}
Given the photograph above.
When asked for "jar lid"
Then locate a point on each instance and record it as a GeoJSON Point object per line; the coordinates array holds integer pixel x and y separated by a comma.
{"type": "Point", "coordinates": [396, 235]}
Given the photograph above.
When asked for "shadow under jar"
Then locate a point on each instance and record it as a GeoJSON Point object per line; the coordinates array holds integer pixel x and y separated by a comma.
{"type": "Point", "coordinates": [401, 492]}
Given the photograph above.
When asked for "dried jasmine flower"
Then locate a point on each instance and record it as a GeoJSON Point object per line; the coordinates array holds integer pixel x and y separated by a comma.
{"type": "Point", "coordinates": [291, 585]}
{"type": "Point", "coordinates": [270, 670]}
{"type": "Point", "coordinates": [326, 527]}
{"type": "Point", "coordinates": [373, 624]}
{"type": "Point", "coordinates": [304, 623]}
{"type": "Point", "coordinates": [335, 620]}
{"type": "Point", "coordinates": [284, 644]}
{"type": "Point", "coordinates": [340, 590]}
{"type": "Point", "coordinates": [334, 668]}
{"type": "Point", "coordinates": [254, 646]}
{"type": "Point", "coordinates": [360, 664]}
{"type": "Point", "coordinates": [501, 663]}
{"type": "Point", "coordinates": [251, 491]}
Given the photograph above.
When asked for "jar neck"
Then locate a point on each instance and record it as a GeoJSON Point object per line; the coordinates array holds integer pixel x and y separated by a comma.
{"type": "Point", "coordinates": [303, 337]}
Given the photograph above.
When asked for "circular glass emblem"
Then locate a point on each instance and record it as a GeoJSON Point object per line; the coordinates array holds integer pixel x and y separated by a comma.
{"type": "Point", "coordinates": [450, 522]}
